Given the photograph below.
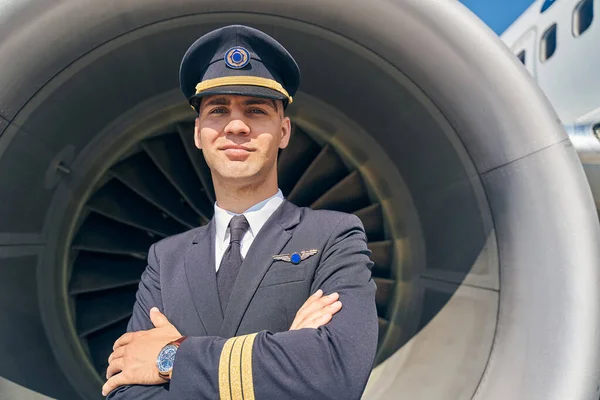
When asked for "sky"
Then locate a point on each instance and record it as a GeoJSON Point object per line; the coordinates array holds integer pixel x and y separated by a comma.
{"type": "Point", "coordinates": [497, 14]}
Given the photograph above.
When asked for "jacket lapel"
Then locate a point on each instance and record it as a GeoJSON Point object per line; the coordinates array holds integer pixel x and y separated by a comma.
{"type": "Point", "coordinates": [202, 279]}
{"type": "Point", "coordinates": [271, 239]}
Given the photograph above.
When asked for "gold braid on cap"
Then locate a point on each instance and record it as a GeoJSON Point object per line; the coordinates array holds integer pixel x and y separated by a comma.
{"type": "Point", "coordinates": [244, 81]}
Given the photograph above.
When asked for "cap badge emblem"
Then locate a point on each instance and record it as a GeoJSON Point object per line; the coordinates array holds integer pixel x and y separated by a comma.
{"type": "Point", "coordinates": [237, 57]}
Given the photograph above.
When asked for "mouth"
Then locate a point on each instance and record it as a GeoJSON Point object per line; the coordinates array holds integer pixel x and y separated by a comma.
{"type": "Point", "coordinates": [236, 152]}
{"type": "Point", "coordinates": [235, 147]}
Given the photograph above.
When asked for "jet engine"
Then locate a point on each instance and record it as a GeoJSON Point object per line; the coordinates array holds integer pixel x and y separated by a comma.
{"type": "Point", "coordinates": [411, 115]}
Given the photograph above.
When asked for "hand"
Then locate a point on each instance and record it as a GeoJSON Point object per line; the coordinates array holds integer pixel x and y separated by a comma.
{"type": "Point", "coordinates": [316, 311]}
{"type": "Point", "coordinates": [133, 360]}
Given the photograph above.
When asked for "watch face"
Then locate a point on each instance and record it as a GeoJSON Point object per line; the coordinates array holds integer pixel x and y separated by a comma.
{"type": "Point", "coordinates": [166, 358]}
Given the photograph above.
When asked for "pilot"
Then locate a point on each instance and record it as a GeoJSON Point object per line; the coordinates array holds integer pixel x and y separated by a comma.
{"type": "Point", "coordinates": [249, 305]}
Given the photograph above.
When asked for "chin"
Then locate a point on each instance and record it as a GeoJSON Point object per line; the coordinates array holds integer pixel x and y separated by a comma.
{"type": "Point", "coordinates": [239, 173]}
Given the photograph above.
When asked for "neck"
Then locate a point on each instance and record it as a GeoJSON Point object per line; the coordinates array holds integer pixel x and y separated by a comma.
{"type": "Point", "coordinates": [239, 198]}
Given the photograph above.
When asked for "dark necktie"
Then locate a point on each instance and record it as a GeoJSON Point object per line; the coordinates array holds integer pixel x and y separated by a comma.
{"type": "Point", "coordinates": [232, 259]}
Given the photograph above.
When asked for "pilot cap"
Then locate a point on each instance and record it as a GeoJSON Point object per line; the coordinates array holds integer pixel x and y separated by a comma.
{"type": "Point", "coordinates": [238, 60]}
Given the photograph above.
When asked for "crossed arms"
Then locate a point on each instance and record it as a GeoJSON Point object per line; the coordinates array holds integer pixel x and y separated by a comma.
{"type": "Point", "coordinates": [332, 361]}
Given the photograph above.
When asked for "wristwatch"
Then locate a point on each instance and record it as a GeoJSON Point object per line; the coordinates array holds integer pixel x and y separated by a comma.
{"type": "Point", "coordinates": [166, 358]}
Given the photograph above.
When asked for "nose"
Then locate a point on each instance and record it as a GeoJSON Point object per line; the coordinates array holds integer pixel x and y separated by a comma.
{"type": "Point", "coordinates": [237, 127]}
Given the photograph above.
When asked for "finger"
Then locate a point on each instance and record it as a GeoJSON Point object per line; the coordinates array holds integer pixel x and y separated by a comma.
{"type": "Point", "coordinates": [317, 305]}
{"type": "Point", "coordinates": [113, 383]}
{"type": "Point", "coordinates": [312, 298]}
{"type": "Point", "coordinates": [329, 311]}
{"type": "Point", "coordinates": [123, 340]}
{"type": "Point", "coordinates": [312, 307]}
{"type": "Point", "coordinates": [322, 320]}
{"type": "Point", "coordinates": [118, 353]}
{"type": "Point", "coordinates": [158, 318]}
{"type": "Point", "coordinates": [305, 317]}
{"type": "Point", "coordinates": [313, 322]}
{"type": "Point", "coordinates": [115, 367]}
{"type": "Point", "coordinates": [334, 308]}
{"type": "Point", "coordinates": [318, 321]}
{"type": "Point", "coordinates": [325, 312]}
{"type": "Point", "coordinates": [329, 299]}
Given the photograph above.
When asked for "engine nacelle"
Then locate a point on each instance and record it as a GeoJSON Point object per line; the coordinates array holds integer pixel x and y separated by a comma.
{"type": "Point", "coordinates": [412, 115]}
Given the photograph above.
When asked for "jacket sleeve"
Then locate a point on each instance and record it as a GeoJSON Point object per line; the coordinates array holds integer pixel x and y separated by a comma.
{"type": "Point", "coordinates": [147, 296]}
{"type": "Point", "coordinates": [332, 362]}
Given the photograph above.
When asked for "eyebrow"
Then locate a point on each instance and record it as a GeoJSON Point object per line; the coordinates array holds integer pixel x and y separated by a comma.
{"type": "Point", "coordinates": [223, 101]}
{"type": "Point", "coordinates": [255, 101]}
{"type": "Point", "coordinates": [216, 101]}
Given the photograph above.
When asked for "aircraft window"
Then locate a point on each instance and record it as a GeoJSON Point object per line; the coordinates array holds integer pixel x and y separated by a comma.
{"type": "Point", "coordinates": [548, 43]}
{"type": "Point", "coordinates": [521, 56]}
{"type": "Point", "coordinates": [583, 16]}
{"type": "Point", "coordinates": [596, 129]}
{"type": "Point", "coordinates": [547, 4]}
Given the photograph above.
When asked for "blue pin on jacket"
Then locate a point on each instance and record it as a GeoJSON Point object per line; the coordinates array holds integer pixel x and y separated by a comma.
{"type": "Point", "coordinates": [295, 258]}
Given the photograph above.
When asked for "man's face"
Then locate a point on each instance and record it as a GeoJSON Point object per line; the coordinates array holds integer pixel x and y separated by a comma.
{"type": "Point", "coordinates": [240, 136]}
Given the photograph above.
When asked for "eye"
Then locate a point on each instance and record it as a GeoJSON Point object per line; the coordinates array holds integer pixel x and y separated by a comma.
{"type": "Point", "coordinates": [258, 111]}
{"type": "Point", "coordinates": [218, 110]}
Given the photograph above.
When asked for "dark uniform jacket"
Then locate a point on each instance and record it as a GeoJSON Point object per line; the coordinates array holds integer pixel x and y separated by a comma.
{"type": "Point", "coordinates": [248, 352]}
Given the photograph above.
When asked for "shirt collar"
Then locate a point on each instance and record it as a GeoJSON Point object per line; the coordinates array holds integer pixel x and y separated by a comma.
{"type": "Point", "coordinates": [256, 215]}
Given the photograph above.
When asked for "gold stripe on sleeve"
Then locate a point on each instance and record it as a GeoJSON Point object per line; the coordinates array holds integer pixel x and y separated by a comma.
{"type": "Point", "coordinates": [247, 377]}
{"type": "Point", "coordinates": [224, 380]}
{"type": "Point", "coordinates": [235, 369]}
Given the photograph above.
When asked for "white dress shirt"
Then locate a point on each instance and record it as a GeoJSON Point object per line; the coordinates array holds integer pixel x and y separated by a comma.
{"type": "Point", "coordinates": [256, 215]}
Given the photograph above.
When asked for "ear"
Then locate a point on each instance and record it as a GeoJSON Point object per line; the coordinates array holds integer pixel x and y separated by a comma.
{"type": "Point", "coordinates": [286, 131]}
{"type": "Point", "coordinates": [197, 140]}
